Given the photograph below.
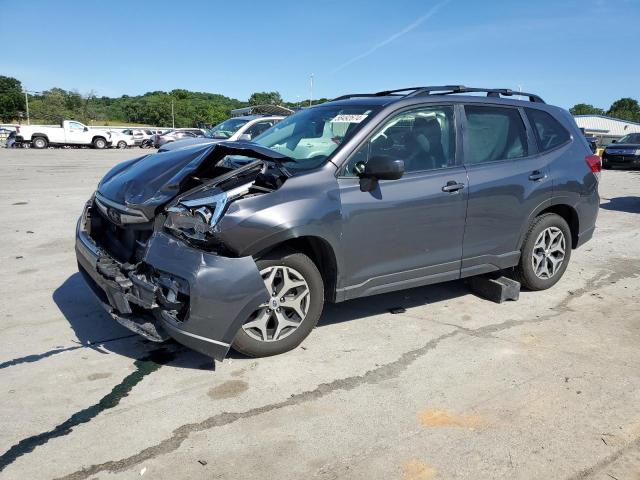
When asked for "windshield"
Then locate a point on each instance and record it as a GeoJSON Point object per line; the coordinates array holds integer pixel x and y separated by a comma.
{"type": "Point", "coordinates": [311, 135]}
{"type": "Point", "coordinates": [630, 138]}
{"type": "Point", "coordinates": [226, 128]}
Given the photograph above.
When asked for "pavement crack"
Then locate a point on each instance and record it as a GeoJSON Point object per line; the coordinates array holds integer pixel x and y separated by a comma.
{"type": "Point", "coordinates": [39, 356]}
{"type": "Point", "coordinates": [376, 375]}
{"type": "Point", "coordinates": [591, 471]}
{"type": "Point", "coordinates": [144, 367]}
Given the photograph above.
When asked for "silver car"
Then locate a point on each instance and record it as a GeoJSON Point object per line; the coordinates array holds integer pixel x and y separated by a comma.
{"type": "Point", "coordinates": [176, 134]}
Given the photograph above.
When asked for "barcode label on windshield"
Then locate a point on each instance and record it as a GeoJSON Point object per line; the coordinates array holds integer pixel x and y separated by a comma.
{"type": "Point", "coordinates": [348, 118]}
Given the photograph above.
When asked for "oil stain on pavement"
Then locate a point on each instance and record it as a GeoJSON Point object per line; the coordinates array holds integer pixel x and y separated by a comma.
{"type": "Point", "coordinates": [143, 367]}
{"type": "Point", "coordinates": [231, 388]}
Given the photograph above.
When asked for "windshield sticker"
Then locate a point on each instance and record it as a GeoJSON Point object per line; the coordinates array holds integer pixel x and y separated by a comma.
{"type": "Point", "coordinates": [348, 118]}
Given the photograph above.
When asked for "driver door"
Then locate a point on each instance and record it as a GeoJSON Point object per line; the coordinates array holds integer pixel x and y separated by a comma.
{"type": "Point", "coordinates": [75, 133]}
{"type": "Point", "coordinates": [407, 232]}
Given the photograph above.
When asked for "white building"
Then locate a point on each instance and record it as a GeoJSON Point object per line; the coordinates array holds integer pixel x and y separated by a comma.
{"type": "Point", "coordinates": [606, 128]}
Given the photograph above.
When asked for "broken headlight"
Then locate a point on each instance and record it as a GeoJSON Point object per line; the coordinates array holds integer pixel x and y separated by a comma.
{"type": "Point", "coordinates": [196, 218]}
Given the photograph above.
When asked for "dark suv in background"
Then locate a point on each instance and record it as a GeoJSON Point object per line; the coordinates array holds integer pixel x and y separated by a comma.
{"type": "Point", "coordinates": [241, 243]}
{"type": "Point", "coordinates": [623, 153]}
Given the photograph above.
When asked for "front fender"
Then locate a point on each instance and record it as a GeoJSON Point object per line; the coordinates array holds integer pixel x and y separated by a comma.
{"type": "Point", "coordinates": [308, 205]}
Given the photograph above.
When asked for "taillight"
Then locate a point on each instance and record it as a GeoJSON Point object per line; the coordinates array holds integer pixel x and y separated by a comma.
{"type": "Point", "coordinates": [595, 164]}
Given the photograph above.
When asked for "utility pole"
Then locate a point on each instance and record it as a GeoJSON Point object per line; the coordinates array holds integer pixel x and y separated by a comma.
{"type": "Point", "coordinates": [173, 119]}
{"type": "Point", "coordinates": [311, 96]}
{"type": "Point", "coordinates": [26, 99]}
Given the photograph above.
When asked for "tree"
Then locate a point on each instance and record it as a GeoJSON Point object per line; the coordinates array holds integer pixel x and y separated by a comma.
{"type": "Point", "coordinates": [585, 109]}
{"type": "Point", "coordinates": [625, 109]}
{"type": "Point", "coordinates": [11, 98]}
{"type": "Point", "coordinates": [265, 98]}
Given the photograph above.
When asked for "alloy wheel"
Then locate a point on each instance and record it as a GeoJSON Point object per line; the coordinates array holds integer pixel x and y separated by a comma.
{"type": "Point", "coordinates": [287, 308]}
{"type": "Point", "coordinates": [548, 252]}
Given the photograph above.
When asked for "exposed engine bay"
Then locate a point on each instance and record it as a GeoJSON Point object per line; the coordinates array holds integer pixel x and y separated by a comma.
{"type": "Point", "coordinates": [185, 196]}
{"type": "Point", "coordinates": [194, 215]}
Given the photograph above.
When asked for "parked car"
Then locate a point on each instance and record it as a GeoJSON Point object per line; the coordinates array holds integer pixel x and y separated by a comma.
{"type": "Point", "coordinates": [176, 134]}
{"type": "Point", "coordinates": [139, 135]}
{"type": "Point", "coordinates": [69, 133]}
{"type": "Point", "coordinates": [365, 194]}
{"type": "Point", "coordinates": [120, 139]}
{"type": "Point", "coordinates": [623, 153]}
{"type": "Point", "coordinates": [236, 128]}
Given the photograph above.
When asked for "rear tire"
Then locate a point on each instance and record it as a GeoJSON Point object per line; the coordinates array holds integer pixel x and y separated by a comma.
{"type": "Point", "coordinates": [545, 253]}
{"type": "Point", "coordinates": [39, 142]}
{"type": "Point", "coordinates": [99, 143]}
{"type": "Point", "coordinates": [278, 327]}
{"type": "Point", "coordinates": [122, 144]}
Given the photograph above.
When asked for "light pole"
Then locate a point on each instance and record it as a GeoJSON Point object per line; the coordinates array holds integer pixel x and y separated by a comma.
{"type": "Point", "coordinates": [26, 100]}
{"type": "Point", "coordinates": [311, 95]}
{"type": "Point", "coordinates": [173, 120]}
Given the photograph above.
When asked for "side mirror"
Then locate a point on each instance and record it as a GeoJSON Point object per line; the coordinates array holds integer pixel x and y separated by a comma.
{"type": "Point", "coordinates": [246, 137]}
{"type": "Point", "coordinates": [86, 129]}
{"type": "Point", "coordinates": [380, 167]}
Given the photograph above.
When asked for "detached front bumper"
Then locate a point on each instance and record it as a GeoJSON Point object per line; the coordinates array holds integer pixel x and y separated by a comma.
{"type": "Point", "coordinates": [213, 294]}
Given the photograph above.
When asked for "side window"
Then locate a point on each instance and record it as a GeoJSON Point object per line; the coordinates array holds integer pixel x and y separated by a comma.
{"type": "Point", "coordinates": [75, 126]}
{"type": "Point", "coordinates": [257, 128]}
{"type": "Point", "coordinates": [494, 133]}
{"type": "Point", "coordinates": [424, 138]}
{"type": "Point", "coordinates": [547, 130]}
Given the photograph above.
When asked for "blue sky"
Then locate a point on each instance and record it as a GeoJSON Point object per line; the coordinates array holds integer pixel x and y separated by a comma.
{"type": "Point", "coordinates": [567, 51]}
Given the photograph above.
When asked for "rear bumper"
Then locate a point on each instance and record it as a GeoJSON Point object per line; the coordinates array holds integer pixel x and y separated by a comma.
{"type": "Point", "coordinates": [218, 293]}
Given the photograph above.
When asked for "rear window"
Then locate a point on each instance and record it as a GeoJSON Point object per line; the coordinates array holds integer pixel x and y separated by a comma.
{"type": "Point", "coordinates": [547, 130]}
{"type": "Point", "coordinates": [494, 133]}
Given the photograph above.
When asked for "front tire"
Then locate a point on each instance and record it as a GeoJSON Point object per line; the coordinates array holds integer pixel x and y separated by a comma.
{"type": "Point", "coordinates": [545, 253]}
{"type": "Point", "coordinates": [99, 143]}
{"type": "Point", "coordinates": [295, 306]}
{"type": "Point", "coordinates": [122, 144]}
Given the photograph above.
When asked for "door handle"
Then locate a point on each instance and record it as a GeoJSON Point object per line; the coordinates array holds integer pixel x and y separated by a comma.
{"type": "Point", "coordinates": [537, 175]}
{"type": "Point", "coordinates": [452, 186]}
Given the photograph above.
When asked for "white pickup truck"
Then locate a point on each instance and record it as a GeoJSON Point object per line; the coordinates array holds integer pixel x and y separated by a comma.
{"type": "Point", "coordinates": [69, 132]}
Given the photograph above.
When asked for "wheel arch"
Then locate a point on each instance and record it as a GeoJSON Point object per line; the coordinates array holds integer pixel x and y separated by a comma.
{"type": "Point", "coordinates": [321, 253]}
{"type": "Point", "coordinates": [570, 215]}
{"type": "Point", "coordinates": [565, 211]}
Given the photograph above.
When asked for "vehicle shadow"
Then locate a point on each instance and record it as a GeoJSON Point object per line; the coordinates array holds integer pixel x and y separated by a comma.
{"type": "Point", "coordinates": [388, 302]}
{"type": "Point", "coordinates": [623, 204]}
{"type": "Point", "coordinates": [95, 329]}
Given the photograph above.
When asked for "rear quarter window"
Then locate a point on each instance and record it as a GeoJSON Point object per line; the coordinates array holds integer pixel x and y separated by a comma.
{"type": "Point", "coordinates": [548, 131]}
{"type": "Point", "coordinates": [494, 133]}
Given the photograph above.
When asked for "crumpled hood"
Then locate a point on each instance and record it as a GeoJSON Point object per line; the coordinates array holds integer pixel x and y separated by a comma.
{"type": "Point", "coordinates": [153, 180]}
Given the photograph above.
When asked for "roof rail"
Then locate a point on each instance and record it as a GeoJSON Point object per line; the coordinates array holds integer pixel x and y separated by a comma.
{"type": "Point", "coordinates": [446, 90]}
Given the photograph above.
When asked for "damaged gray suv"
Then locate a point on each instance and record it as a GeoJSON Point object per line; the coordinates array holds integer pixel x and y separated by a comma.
{"type": "Point", "coordinates": [239, 244]}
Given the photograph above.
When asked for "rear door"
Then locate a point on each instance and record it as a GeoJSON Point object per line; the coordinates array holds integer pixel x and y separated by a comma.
{"type": "Point", "coordinates": [508, 180]}
{"type": "Point", "coordinates": [405, 232]}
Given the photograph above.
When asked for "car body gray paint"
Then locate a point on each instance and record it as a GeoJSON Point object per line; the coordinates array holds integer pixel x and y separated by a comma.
{"type": "Point", "coordinates": [367, 231]}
